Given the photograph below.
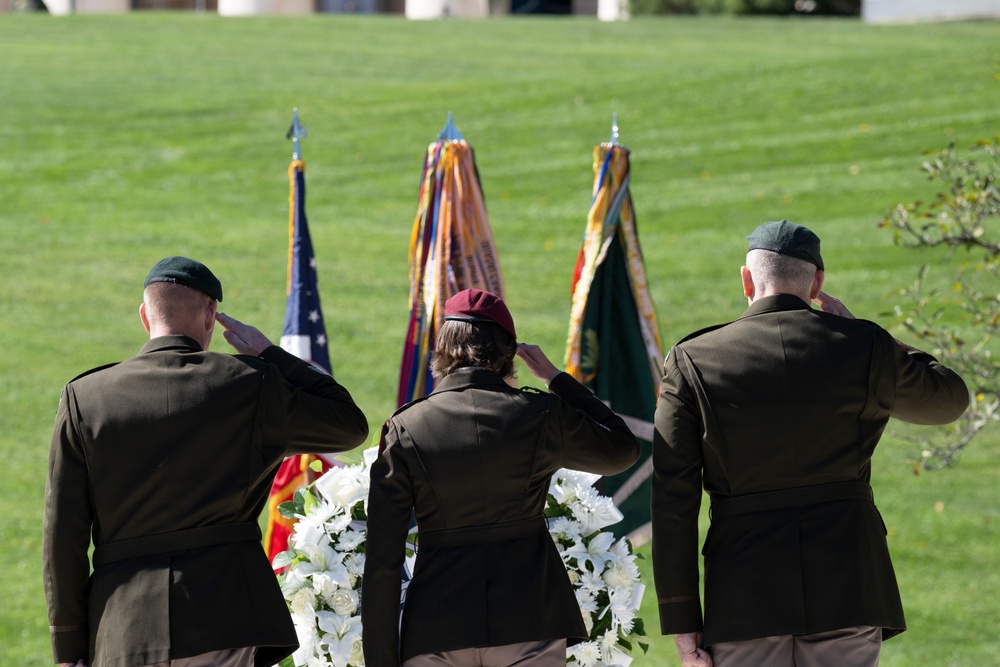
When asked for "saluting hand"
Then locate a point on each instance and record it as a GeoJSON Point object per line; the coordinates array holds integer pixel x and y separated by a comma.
{"type": "Point", "coordinates": [537, 362]}
{"type": "Point", "coordinates": [832, 305]}
{"type": "Point", "coordinates": [243, 337]}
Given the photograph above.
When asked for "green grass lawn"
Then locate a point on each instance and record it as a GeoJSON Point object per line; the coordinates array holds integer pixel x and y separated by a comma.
{"type": "Point", "coordinates": [124, 139]}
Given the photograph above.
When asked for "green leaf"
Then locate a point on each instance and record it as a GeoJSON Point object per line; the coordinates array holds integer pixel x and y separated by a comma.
{"type": "Point", "coordinates": [283, 559]}
{"type": "Point", "coordinates": [310, 501]}
{"type": "Point", "coordinates": [300, 501]}
{"type": "Point", "coordinates": [287, 509]}
{"type": "Point", "coordinates": [316, 466]}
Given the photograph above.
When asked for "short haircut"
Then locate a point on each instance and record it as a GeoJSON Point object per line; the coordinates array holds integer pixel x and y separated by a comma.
{"type": "Point", "coordinates": [461, 344]}
{"type": "Point", "coordinates": [173, 303]}
{"type": "Point", "coordinates": [776, 272]}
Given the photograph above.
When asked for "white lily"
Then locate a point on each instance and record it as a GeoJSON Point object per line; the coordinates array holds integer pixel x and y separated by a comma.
{"type": "Point", "coordinates": [595, 552]}
{"type": "Point", "coordinates": [339, 636]}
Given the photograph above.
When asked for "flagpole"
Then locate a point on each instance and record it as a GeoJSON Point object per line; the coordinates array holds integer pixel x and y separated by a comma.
{"type": "Point", "coordinates": [614, 129]}
{"type": "Point", "coordinates": [450, 132]}
{"type": "Point", "coordinates": [303, 335]}
{"type": "Point", "coordinates": [296, 133]}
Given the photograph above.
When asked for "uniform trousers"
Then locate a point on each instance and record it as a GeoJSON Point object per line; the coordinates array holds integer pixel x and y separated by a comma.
{"type": "Point", "coordinates": [524, 654]}
{"type": "Point", "coordinates": [850, 647]}
{"type": "Point", "coordinates": [232, 657]}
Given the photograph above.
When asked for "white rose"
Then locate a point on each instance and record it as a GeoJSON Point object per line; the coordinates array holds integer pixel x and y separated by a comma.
{"type": "Point", "coordinates": [344, 602]}
{"type": "Point", "coordinates": [303, 602]}
{"type": "Point", "coordinates": [616, 577]}
{"type": "Point", "coordinates": [358, 655]}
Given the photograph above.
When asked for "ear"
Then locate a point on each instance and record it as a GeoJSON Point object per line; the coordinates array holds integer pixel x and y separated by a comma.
{"type": "Point", "coordinates": [143, 316]}
{"type": "Point", "coordinates": [213, 308]}
{"type": "Point", "coordinates": [748, 287]}
{"type": "Point", "coordinates": [817, 285]}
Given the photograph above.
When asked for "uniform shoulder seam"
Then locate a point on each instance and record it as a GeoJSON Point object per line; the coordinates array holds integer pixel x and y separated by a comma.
{"type": "Point", "coordinates": [701, 332]}
{"type": "Point", "coordinates": [95, 370]}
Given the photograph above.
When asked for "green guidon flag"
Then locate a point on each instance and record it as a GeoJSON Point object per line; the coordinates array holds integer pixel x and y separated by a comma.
{"type": "Point", "coordinates": [613, 345]}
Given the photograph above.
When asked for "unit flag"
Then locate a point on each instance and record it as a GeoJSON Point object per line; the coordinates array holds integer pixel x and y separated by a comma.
{"type": "Point", "coordinates": [613, 345]}
{"type": "Point", "coordinates": [451, 249]}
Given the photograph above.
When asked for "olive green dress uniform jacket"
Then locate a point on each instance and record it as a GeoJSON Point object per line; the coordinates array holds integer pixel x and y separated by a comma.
{"type": "Point", "coordinates": [473, 462]}
{"type": "Point", "coordinates": [174, 439]}
{"type": "Point", "coordinates": [777, 415]}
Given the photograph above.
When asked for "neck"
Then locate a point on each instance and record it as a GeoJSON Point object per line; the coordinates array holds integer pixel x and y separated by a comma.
{"type": "Point", "coordinates": [756, 296]}
{"type": "Point", "coordinates": [189, 332]}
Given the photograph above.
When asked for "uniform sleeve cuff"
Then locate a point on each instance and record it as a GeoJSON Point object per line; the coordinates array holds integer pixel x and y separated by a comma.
{"type": "Point", "coordinates": [681, 616]}
{"type": "Point", "coordinates": [70, 643]}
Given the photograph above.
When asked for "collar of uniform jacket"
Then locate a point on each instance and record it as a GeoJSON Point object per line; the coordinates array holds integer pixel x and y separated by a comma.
{"type": "Point", "coordinates": [463, 378]}
{"type": "Point", "coordinates": [775, 303]}
{"type": "Point", "coordinates": [170, 343]}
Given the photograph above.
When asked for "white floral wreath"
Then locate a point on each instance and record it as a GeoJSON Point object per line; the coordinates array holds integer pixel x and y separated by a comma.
{"type": "Point", "coordinates": [325, 561]}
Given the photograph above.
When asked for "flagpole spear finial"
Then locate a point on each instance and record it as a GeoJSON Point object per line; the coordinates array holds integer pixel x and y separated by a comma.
{"type": "Point", "coordinates": [296, 133]}
{"type": "Point", "coordinates": [614, 129]}
{"type": "Point", "coordinates": [450, 132]}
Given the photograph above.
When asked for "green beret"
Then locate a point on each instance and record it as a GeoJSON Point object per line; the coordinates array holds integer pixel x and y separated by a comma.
{"type": "Point", "coordinates": [787, 238]}
{"type": "Point", "coordinates": [187, 272]}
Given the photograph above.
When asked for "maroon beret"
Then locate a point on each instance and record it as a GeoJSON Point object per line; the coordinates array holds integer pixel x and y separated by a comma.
{"type": "Point", "coordinates": [475, 305]}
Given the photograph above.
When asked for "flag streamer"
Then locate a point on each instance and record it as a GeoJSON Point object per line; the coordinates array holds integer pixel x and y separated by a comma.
{"type": "Point", "coordinates": [451, 249]}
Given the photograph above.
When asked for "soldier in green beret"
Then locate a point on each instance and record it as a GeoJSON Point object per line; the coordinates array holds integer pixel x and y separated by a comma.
{"type": "Point", "coordinates": [776, 416]}
{"type": "Point", "coordinates": [164, 462]}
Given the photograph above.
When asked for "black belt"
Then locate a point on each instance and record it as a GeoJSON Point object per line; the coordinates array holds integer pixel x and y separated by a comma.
{"type": "Point", "coordinates": [496, 532]}
{"type": "Point", "coordinates": [164, 543]}
{"type": "Point", "coordinates": [724, 507]}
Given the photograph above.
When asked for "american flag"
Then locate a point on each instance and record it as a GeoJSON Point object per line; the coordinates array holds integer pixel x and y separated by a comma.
{"type": "Point", "coordinates": [304, 334]}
